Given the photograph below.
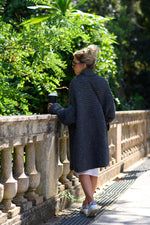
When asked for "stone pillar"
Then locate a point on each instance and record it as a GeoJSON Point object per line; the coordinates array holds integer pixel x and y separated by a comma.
{"type": "Point", "coordinates": [10, 184]}
{"type": "Point", "coordinates": [23, 180]}
{"type": "Point", "coordinates": [118, 143]}
{"type": "Point", "coordinates": [64, 160]}
{"type": "Point", "coordinates": [34, 176]}
{"type": "Point", "coordinates": [47, 165]}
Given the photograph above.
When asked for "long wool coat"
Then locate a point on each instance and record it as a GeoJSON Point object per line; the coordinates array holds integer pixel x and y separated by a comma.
{"type": "Point", "coordinates": [91, 108]}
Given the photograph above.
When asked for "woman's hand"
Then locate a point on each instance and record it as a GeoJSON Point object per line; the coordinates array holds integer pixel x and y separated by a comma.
{"type": "Point", "coordinates": [53, 108]}
{"type": "Point", "coordinates": [49, 106]}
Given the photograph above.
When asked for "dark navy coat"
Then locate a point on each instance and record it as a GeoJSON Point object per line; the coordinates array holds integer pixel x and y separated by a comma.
{"type": "Point", "coordinates": [91, 108]}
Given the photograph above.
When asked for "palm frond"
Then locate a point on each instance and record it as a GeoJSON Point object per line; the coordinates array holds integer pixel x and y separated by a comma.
{"type": "Point", "coordinates": [63, 5]}
{"type": "Point", "coordinates": [35, 20]}
{"type": "Point", "coordinates": [39, 7]}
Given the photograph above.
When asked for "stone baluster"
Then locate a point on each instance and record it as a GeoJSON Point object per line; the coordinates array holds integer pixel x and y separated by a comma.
{"type": "Point", "coordinates": [76, 186]}
{"type": "Point", "coordinates": [20, 176]}
{"type": "Point", "coordinates": [130, 129]}
{"type": "Point", "coordinates": [112, 153]}
{"type": "Point", "coordinates": [128, 138]}
{"type": "Point", "coordinates": [10, 184]}
{"type": "Point", "coordinates": [34, 176]}
{"type": "Point", "coordinates": [134, 130]}
{"type": "Point", "coordinates": [64, 159]}
{"type": "Point", "coordinates": [112, 145]}
{"type": "Point", "coordinates": [122, 138]}
{"type": "Point", "coordinates": [61, 187]}
{"type": "Point", "coordinates": [142, 134]}
{"type": "Point", "coordinates": [145, 134]}
{"type": "Point", "coordinates": [131, 136]}
{"type": "Point", "coordinates": [118, 143]}
{"type": "Point", "coordinates": [135, 135]}
{"type": "Point", "coordinates": [3, 216]}
{"type": "Point", "coordinates": [72, 176]}
{"type": "Point", "coordinates": [1, 192]}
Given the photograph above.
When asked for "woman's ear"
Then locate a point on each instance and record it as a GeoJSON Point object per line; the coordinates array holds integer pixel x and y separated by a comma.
{"type": "Point", "coordinates": [84, 65]}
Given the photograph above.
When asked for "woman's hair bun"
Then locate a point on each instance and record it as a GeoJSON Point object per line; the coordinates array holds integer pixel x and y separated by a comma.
{"type": "Point", "coordinates": [93, 49]}
{"type": "Point", "coordinates": [87, 55]}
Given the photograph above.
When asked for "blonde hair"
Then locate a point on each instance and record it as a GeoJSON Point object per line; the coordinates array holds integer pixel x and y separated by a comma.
{"type": "Point", "coordinates": [87, 55]}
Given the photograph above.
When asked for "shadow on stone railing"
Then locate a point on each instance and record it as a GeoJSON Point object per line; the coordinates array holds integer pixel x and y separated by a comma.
{"type": "Point", "coordinates": [35, 179]}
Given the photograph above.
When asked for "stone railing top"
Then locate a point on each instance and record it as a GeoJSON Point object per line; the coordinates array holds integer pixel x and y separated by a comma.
{"type": "Point", "coordinates": [132, 112]}
{"type": "Point", "coordinates": [20, 130]}
{"type": "Point", "coordinates": [51, 117]}
{"type": "Point", "coordinates": [133, 115]}
{"type": "Point", "coordinates": [18, 118]}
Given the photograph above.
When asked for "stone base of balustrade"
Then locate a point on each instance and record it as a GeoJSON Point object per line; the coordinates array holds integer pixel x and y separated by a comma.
{"type": "Point", "coordinates": [13, 221]}
{"type": "Point", "coordinates": [13, 212]}
{"type": "Point", "coordinates": [34, 198]}
{"type": "Point", "coordinates": [3, 217]}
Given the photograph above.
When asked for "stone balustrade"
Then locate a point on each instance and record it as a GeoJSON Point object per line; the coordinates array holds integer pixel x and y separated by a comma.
{"type": "Point", "coordinates": [35, 177]}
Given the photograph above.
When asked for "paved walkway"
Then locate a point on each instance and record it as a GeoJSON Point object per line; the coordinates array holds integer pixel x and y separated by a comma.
{"type": "Point", "coordinates": [132, 207]}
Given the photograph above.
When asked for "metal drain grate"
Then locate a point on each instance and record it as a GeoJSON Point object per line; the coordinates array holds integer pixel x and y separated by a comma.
{"type": "Point", "coordinates": [107, 196]}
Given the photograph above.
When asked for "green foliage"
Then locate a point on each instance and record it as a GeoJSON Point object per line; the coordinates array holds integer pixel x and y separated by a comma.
{"type": "Point", "coordinates": [30, 67]}
{"type": "Point", "coordinates": [36, 56]}
{"type": "Point", "coordinates": [13, 10]}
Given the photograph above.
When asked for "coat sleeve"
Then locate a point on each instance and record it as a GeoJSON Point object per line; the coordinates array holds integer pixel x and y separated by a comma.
{"type": "Point", "coordinates": [106, 99]}
{"type": "Point", "coordinates": [66, 115]}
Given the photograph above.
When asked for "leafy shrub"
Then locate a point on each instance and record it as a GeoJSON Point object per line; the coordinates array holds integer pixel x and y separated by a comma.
{"type": "Point", "coordinates": [36, 59]}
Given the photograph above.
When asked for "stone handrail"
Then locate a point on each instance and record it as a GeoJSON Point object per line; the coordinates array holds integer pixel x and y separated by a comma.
{"type": "Point", "coordinates": [34, 159]}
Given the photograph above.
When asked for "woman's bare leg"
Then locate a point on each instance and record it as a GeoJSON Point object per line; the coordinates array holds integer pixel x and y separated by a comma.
{"type": "Point", "coordinates": [94, 186]}
{"type": "Point", "coordinates": [87, 186]}
{"type": "Point", "coordinates": [94, 182]}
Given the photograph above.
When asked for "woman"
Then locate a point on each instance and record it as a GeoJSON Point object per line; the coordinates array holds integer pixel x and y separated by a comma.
{"type": "Point", "coordinates": [90, 111]}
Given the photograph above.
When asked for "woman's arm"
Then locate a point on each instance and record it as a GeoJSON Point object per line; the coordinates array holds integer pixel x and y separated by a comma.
{"type": "Point", "coordinates": [66, 115]}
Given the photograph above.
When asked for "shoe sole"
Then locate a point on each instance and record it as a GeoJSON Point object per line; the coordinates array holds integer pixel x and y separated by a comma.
{"type": "Point", "coordinates": [83, 212]}
{"type": "Point", "coordinates": [92, 213]}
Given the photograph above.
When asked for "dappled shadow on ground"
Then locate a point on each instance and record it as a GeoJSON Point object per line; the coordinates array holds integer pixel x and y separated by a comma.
{"type": "Point", "coordinates": [131, 175]}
